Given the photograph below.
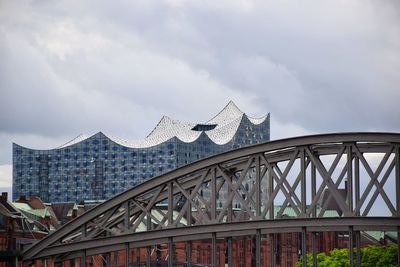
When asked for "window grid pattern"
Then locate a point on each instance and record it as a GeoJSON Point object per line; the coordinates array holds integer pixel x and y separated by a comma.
{"type": "Point", "coordinates": [97, 168]}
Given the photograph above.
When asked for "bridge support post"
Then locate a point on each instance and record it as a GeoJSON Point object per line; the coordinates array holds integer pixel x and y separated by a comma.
{"type": "Point", "coordinates": [258, 187]}
{"type": "Point", "coordinates": [303, 184]}
{"type": "Point", "coordinates": [83, 258]}
{"type": "Point", "coordinates": [189, 253]}
{"type": "Point", "coordinates": [270, 189]}
{"type": "Point", "coordinates": [58, 263]}
{"type": "Point", "coordinates": [230, 251]}
{"type": "Point", "coordinates": [397, 178]}
{"type": "Point", "coordinates": [189, 212]}
{"type": "Point", "coordinates": [170, 252]}
{"type": "Point", "coordinates": [258, 248]}
{"type": "Point", "coordinates": [170, 204]}
{"type": "Point", "coordinates": [214, 250]}
{"type": "Point", "coordinates": [148, 256]}
{"type": "Point", "coordinates": [357, 182]}
{"type": "Point", "coordinates": [398, 245]}
{"type": "Point", "coordinates": [214, 196]}
{"type": "Point", "coordinates": [314, 249]}
{"type": "Point", "coordinates": [349, 180]}
{"type": "Point", "coordinates": [148, 248]}
{"type": "Point", "coordinates": [126, 254]}
{"type": "Point", "coordinates": [358, 247]}
{"type": "Point", "coordinates": [314, 213]}
{"type": "Point", "coordinates": [304, 246]}
{"type": "Point", "coordinates": [351, 246]}
{"type": "Point", "coordinates": [313, 187]}
{"type": "Point", "coordinates": [272, 250]}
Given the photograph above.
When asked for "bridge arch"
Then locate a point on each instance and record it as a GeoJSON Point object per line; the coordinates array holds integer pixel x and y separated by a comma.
{"type": "Point", "coordinates": [287, 185]}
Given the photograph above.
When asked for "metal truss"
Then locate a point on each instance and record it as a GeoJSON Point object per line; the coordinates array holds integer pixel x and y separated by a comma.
{"type": "Point", "coordinates": [279, 186]}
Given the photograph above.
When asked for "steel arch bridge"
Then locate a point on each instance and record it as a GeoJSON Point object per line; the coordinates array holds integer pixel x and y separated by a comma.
{"type": "Point", "coordinates": [248, 191]}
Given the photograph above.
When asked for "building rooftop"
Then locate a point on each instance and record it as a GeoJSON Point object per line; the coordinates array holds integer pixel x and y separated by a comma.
{"type": "Point", "coordinates": [220, 129]}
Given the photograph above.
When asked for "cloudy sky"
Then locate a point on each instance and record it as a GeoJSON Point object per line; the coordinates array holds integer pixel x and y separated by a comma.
{"type": "Point", "coordinates": [71, 67]}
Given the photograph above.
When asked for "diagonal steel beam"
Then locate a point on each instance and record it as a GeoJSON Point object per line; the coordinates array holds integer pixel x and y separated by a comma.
{"type": "Point", "coordinates": [328, 180]}
{"type": "Point", "coordinates": [374, 176]}
{"type": "Point", "coordinates": [281, 179]}
{"type": "Point", "coordinates": [228, 201]}
{"type": "Point", "coordinates": [235, 187]}
{"type": "Point", "coordinates": [381, 184]}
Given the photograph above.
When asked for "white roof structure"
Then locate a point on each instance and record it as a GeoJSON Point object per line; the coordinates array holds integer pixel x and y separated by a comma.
{"type": "Point", "coordinates": [222, 128]}
{"type": "Point", "coordinates": [77, 139]}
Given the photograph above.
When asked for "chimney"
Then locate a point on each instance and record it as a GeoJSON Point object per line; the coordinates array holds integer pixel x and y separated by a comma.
{"type": "Point", "coordinates": [4, 196]}
{"type": "Point", "coordinates": [22, 199]}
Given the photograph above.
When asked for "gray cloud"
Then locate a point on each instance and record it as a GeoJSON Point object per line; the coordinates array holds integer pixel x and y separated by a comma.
{"type": "Point", "coordinates": [71, 67]}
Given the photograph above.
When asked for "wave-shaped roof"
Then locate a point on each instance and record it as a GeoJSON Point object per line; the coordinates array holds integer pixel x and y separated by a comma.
{"type": "Point", "coordinates": [76, 140]}
{"type": "Point", "coordinates": [223, 127]}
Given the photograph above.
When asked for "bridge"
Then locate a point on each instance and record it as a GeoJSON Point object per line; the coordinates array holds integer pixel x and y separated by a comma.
{"type": "Point", "coordinates": [256, 192]}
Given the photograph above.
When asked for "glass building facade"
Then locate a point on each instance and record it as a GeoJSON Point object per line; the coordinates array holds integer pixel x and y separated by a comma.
{"type": "Point", "coordinates": [99, 167]}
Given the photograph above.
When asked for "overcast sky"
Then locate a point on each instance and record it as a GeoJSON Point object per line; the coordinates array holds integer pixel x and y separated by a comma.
{"type": "Point", "coordinates": [71, 67]}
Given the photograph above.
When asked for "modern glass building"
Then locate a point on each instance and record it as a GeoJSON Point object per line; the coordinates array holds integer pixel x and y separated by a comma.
{"type": "Point", "coordinates": [98, 167]}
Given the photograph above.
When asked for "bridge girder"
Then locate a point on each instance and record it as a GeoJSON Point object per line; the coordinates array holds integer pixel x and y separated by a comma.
{"type": "Point", "coordinates": [199, 198]}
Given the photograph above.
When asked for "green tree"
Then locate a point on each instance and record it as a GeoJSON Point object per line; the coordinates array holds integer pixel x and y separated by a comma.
{"type": "Point", "coordinates": [379, 256]}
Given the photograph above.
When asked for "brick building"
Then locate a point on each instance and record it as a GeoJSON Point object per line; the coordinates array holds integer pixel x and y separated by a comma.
{"type": "Point", "coordinates": [28, 220]}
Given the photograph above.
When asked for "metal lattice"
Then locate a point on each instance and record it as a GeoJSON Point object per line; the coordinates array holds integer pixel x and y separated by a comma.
{"type": "Point", "coordinates": [271, 187]}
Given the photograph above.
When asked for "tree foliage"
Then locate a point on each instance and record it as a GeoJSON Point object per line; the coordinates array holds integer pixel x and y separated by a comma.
{"type": "Point", "coordinates": [379, 256]}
